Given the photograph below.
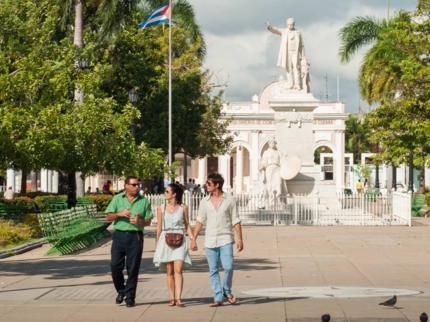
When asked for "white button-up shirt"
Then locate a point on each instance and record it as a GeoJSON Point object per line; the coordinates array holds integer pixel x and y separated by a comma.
{"type": "Point", "coordinates": [219, 223]}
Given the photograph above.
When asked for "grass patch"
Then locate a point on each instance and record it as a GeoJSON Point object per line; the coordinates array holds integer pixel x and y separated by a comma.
{"type": "Point", "coordinates": [16, 244]}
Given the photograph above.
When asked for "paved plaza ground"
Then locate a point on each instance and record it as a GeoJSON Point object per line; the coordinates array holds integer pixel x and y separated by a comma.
{"type": "Point", "coordinates": [314, 263]}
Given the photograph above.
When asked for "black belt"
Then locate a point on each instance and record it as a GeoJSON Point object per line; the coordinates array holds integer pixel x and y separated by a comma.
{"type": "Point", "coordinates": [128, 231]}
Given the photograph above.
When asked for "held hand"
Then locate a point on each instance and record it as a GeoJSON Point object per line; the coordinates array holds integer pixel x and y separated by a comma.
{"type": "Point", "coordinates": [239, 245]}
{"type": "Point", "coordinates": [193, 245]}
{"type": "Point", "coordinates": [267, 25]}
{"type": "Point", "coordinates": [125, 213]}
{"type": "Point", "coordinates": [134, 220]}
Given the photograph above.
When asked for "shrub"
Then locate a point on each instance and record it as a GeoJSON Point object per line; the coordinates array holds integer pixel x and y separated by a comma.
{"type": "Point", "coordinates": [11, 232]}
{"type": "Point", "coordinates": [33, 223]}
{"type": "Point", "coordinates": [102, 201]}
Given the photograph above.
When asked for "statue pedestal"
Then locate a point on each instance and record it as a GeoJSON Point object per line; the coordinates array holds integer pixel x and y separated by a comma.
{"type": "Point", "coordinates": [295, 137]}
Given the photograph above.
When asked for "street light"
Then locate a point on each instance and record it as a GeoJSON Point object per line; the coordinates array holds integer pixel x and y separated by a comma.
{"type": "Point", "coordinates": [133, 97]}
{"type": "Point", "coordinates": [377, 169]}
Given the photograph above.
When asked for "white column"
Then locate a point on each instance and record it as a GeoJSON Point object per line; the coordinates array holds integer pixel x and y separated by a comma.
{"type": "Point", "coordinates": [239, 170]}
{"type": "Point", "coordinates": [10, 179]}
{"type": "Point", "coordinates": [222, 166]}
{"type": "Point", "coordinates": [340, 161]}
{"type": "Point", "coordinates": [55, 181]}
{"type": "Point", "coordinates": [202, 171]}
{"type": "Point", "coordinates": [228, 173]}
{"type": "Point", "coordinates": [43, 180]}
{"type": "Point", "coordinates": [49, 180]}
{"type": "Point", "coordinates": [255, 159]}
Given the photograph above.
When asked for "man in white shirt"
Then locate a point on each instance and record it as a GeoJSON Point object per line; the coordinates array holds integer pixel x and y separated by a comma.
{"type": "Point", "coordinates": [8, 194]}
{"type": "Point", "coordinates": [219, 213]}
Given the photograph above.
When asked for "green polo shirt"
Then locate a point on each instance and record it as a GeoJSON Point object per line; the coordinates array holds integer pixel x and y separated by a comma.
{"type": "Point", "coordinates": [139, 206]}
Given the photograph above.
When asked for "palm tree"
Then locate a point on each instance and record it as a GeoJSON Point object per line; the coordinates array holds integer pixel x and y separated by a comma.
{"type": "Point", "coordinates": [378, 76]}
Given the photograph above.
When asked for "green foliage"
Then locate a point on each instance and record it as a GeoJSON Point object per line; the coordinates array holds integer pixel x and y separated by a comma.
{"type": "Point", "coordinates": [11, 232]}
{"type": "Point", "coordinates": [102, 202]}
{"type": "Point", "coordinates": [362, 171]}
{"type": "Point", "coordinates": [33, 223]}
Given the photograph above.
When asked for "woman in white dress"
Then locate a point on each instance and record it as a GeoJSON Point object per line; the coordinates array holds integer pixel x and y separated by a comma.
{"type": "Point", "coordinates": [173, 217]}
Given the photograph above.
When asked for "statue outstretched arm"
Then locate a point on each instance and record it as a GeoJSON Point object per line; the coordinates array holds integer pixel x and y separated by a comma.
{"type": "Point", "coordinates": [273, 30]}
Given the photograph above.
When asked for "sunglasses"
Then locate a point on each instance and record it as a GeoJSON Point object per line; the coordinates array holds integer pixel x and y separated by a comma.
{"type": "Point", "coordinates": [209, 183]}
{"type": "Point", "coordinates": [166, 191]}
{"type": "Point", "coordinates": [133, 184]}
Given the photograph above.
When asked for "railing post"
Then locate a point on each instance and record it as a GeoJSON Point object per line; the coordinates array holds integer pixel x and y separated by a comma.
{"type": "Point", "coordinates": [275, 216]}
{"type": "Point", "coordinates": [362, 208]}
{"type": "Point", "coordinates": [316, 207]}
{"type": "Point", "coordinates": [295, 209]}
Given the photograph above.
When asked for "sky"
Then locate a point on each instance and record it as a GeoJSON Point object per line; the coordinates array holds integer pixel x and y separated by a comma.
{"type": "Point", "coordinates": [243, 54]}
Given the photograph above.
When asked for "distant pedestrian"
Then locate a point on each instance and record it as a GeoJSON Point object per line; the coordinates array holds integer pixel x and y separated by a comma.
{"type": "Point", "coordinates": [366, 185]}
{"type": "Point", "coordinates": [8, 194]}
{"type": "Point", "coordinates": [358, 186]}
{"type": "Point", "coordinates": [130, 212]}
{"type": "Point", "coordinates": [97, 191]}
{"type": "Point", "coordinates": [88, 192]}
{"type": "Point", "coordinates": [218, 212]}
{"type": "Point", "coordinates": [107, 188]}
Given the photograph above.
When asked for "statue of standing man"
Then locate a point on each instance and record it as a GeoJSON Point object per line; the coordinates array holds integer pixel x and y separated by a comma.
{"type": "Point", "coordinates": [291, 53]}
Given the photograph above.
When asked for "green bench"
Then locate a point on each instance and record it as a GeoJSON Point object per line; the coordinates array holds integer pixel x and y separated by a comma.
{"type": "Point", "coordinates": [418, 201]}
{"type": "Point", "coordinates": [16, 211]}
{"type": "Point", "coordinates": [68, 231]}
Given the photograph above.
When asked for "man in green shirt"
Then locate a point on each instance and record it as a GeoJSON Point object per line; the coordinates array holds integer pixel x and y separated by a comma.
{"type": "Point", "coordinates": [131, 212]}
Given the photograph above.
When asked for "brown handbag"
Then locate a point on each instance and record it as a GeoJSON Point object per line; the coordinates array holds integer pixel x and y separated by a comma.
{"type": "Point", "coordinates": [173, 240]}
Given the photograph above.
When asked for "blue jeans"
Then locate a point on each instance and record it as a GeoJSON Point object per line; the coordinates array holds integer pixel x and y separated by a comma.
{"type": "Point", "coordinates": [213, 255]}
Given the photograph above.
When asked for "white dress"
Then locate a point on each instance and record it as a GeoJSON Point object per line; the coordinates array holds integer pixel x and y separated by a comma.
{"type": "Point", "coordinates": [173, 223]}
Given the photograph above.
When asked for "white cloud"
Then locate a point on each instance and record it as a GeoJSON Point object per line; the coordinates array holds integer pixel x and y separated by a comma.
{"type": "Point", "coordinates": [242, 49]}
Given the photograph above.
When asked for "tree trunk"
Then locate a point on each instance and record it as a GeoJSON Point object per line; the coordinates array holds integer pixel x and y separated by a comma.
{"type": "Point", "coordinates": [23, 182]}
{"type": "Point", "coordinates": [78, 39]}
{"type": "Point", "coordinates": [33, 176]}
{"type": "Point", "coordinates": [422, 180]}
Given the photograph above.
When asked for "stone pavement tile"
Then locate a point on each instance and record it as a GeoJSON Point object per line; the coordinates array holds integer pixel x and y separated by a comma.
{"type": "Point", "coordinates": [313, 309]}
{"type": "Point", "coordinates": [195, 310]}
{"type": "Point", "coordinates": [41, 313]}
{"type": "Point", "coordinates": [22, 295]}
{"type": "Point", "coordinates": [252, 309]}
{"type": "Point", "coordinates": [109, 311]}
{"type": "Point", "coordinates": [368, 308]}
{"type": "Point", "coordinates": [6, 308]}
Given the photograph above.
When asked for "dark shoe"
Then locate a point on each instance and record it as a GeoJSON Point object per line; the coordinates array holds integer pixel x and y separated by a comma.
{"type": "Point", "coordinates": [119, 299]}
{"type": "Point", "coordinates": [129, 304]}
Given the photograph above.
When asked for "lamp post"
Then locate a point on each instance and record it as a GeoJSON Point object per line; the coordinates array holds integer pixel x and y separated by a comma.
{"type": "Point", "coordinates": [133, 97]}
{"type": "Point", "coordinates": [411, 172]}
{"type": "Point", "coordinates": [394, 175]}
{"type": "Point", "coordinates": [377, 169]}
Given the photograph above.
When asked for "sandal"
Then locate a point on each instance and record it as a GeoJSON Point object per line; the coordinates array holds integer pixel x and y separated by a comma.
{"type": "Point", "coordinates": [230, 298]}
{"type": "Point", "coordinates": [180, 303]}
{"type": "Point", "coordinates": [172, 303]}
{"type": "Point", "coordinates": [216, 304]}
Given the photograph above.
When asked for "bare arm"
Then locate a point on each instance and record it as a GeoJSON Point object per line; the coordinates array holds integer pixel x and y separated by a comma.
{"type": "Point", "coordinates": [238, 229]}
{"type": "Point", "coordinates": [197, 229]}
{"type": "Point", "coordinates": [159, 224]}
{"type": "Point", "coordinates": [187, 222]}
{"type": "Point", "coordinates": [111, 216]}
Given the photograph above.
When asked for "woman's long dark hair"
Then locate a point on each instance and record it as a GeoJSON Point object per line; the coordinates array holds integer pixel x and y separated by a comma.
{"type": "Point", "coordinates": [176, 189]}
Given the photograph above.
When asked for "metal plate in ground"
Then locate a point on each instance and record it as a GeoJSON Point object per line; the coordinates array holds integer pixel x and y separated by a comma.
{"type": "Point", "coordinates": [330, 292]}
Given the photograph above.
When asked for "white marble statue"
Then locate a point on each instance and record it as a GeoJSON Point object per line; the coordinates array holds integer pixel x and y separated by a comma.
{"type": "Point", "coordinates": [270, 170]}
{"type": "Point", "coordinates": [306, 80]}
{"type": "Point", "coordinates": [291, 53]}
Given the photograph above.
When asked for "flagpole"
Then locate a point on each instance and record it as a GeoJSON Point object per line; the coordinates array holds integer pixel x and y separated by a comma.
{"type": "Point", "coordinates": [170, 84]}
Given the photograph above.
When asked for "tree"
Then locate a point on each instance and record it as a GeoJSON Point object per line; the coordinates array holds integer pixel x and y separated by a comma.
{"type": "Point", "coordinates": [402, 125]}
{"type": "Point", "coordinates": [356, 137]}
{"type": "Point", "coordinates": [40, 124]}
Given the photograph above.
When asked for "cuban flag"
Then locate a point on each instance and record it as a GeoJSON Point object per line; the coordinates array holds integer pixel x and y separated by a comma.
{"type": "Point", "coordinates": [158, 16]}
